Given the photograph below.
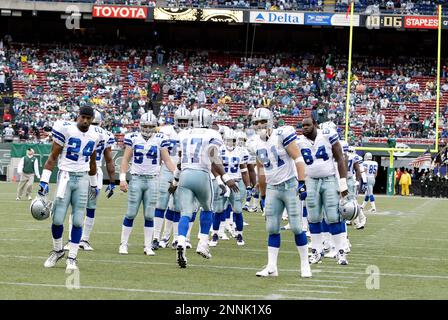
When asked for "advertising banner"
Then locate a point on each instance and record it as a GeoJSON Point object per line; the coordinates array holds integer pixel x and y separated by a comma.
{"type": "Point", "coordinates": [213, 15]}
{"type": "Point", "coordinates": [121, 12]}
{"type": "Point", "coordinates": [421, 22]}
{"type": "Point", "coordinates": [318, 19]}
{"type": "Point", "coordinates": [296, 18]}
{"type": "Point", "coordinates": [344, 20]}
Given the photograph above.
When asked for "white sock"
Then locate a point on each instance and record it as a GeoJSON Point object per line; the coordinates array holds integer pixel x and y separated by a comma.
{"type": "Point", "coordinates": [167, 229]}
{"type": "Point", "coordinates": [88, 226]}
{"type": "Point", "coordinates": [373, 205]}
{"type": "Point", "coordinates": [364, 204]}
{"type": "Point", "coordinates": [345, 239]}
{"type": "Point", "coordinates": [317, 241]}
{"type": "Point", "coordinates": [303, 253]}
{"type": "Point", "coordinates": [158, 222]}
{"type": "Point", "coordinates": [125, 233]}
{"type": "Point", "coordinates": [327, 236]}
{"type": "Point", "coordinates": [222, 227]}
{"type": "Point", "coordinates": [203, 238]}
{"type": "Point", "coordinates": [73, 251]}
{"type": "Point", "coordinates": [239, 232]}
{"type": "Point", "coordinates": [176, 231]}
{"type": "Point", "coordinates": [181, 241]}
{"type": "Point", "coordinates": [70, 226]}
{"type": "Point", "coordinates": [272, 257]}
{"type": "Point", "coordinates": [148, 232]}
{"type": "Point", "coordinates": [339, 241]}
{"type": "Point", "coordinates": [304, 224]}
{"type": "Point", "coordinates": [57, 244]}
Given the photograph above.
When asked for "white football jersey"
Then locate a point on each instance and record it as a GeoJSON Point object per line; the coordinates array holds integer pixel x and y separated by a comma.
{"type": "Point", "coordinates": [370, 167]}
{"type": "Point", "coordinates": [344, 146]}
{"type": "Point", "coordinates": [250, 146]}
{"type": "Point", "coordinates": [172, 136]}
{"type": "Point", "coordinates": [145, 154]}
{"type": "Point", "coordinates": [232, 161]}
{"type": "Point", "coordinates": [318, 154]}
{"type": "Point", "coordinates": [195, 144]}
{"type": "Point", "coordinates": [352, 159]}
{"type": "Point", "coordinates": [278, 165]}
{"type": "Point", "coordinates": [77, 145]}
{"type": "Point", "coordinates": [107, 140]}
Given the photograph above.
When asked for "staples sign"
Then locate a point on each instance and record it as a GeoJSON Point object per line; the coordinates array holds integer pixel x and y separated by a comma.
{"type": "Point", "coordinates": [421, 22]}
{"type": "Point", "coordinates": [123, 12]}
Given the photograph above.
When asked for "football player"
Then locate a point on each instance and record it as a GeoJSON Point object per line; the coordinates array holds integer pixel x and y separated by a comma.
{"type": "Point", "coordinates": [234, 159]}
{"type": "Point", "coordinates": [252, 195]}
{"type": "Point", "coordinates": [75, 144]}
{"type": "Point", "coordinates": [182, 119]}
{"type": "Point", "coordinates": [198, 157]}
{"type": "Point", "coordinates": [104, 149]}
{"type": "Point", "coordinates": [145, 150]}
{"type": "Point", "coordinates": [281, 176]}
{"type": "Point", "coordinates": [356, 176]}
{"type": "Point", "coordinates": [371, 170]}
{"type": "Point", "coordinates": [319, 148]}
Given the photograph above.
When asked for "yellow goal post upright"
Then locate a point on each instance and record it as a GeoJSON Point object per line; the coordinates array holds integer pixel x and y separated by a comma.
{"type": "Point", "coordinates": [390, 176]}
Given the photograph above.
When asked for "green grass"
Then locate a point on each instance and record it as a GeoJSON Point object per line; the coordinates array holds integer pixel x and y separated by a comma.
{"type": "Point", "coordinates": [406, 240]}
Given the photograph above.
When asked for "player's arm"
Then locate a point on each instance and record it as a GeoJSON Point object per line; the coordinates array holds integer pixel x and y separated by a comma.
{"type": "Point", "coordinates": [252, 174]}
{"type": "Point", "coordinates": [56, 150]}
{"type": "Point", "coordinates": [261, 184]}
{"type": "Point", "coordinates": [124, 168]}
{"type": "Point", "coordinates": [294, 152]}
{"type": "Point", "coordinates": [342, 168]}
{"type": "Point", "coordinates": [245, 175]}
{"type": "Point", "coordinates": [167, 159]}
{"type": "Point", "coordinates": [93, 179]}
{"type": "Point", "coordinates": [110, 167]}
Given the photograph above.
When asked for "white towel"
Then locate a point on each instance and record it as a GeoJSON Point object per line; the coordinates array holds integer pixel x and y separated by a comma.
{"type": "Point", "coordinates": [64, 177]}
{"type": "Point", "coordinates": [99, 176]}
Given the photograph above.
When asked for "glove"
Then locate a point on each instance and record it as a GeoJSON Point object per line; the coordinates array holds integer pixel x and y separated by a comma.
{"type": "Point", "coordinates": [301, 190]}
{"type": "Point", "coordinates": [172, 188]}
{"type": "Point", "coordinates": [93, 192]}
{"type": "Point", "coordinates": [43, 188]}
{"type": "Point", "coordinates": [223, 188]}
{"type": "Point", "coordinates": [110, 190]}
{"type": "Point", "coordinates": [262, 202]}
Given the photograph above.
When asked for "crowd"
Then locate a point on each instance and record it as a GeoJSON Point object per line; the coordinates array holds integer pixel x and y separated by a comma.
{"type": "Point", "coordinates": [390, 97]}
{"type": "Point", "coordinates": [393, 6]}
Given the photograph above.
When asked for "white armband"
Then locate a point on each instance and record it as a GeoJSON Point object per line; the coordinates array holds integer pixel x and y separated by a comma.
{"type": "Point", "coordinates": [93, 181]}
{"type": "Point", "coordinates": [299, 160]}
{"type": "Point", "coordinates": [243, 170]}
{"type": "Point", "coordinates": [225, 178]}
{"type": "Point", "coordinates": [46, 174]}
{"type": "Point", "coordinates": [343, 184]}
{"type": "Point", "coordinates": [122, 177]}
{"type": "Point", "coordinates": [219, 180]}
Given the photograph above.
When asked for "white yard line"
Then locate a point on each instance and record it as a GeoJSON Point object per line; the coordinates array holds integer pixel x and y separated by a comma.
{"type": "Point", "coordinates": [315, 285]}
{"type": "Point", "coordinates": [310, 291]}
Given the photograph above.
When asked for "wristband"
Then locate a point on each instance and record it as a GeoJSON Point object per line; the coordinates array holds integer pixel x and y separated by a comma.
{"type": "Point", "coordinates": [176, 174]}
{"type": "Point", "coordinates": [93, 180]}
{"type": "Point", "coordinates": [243, 170]}
{"type": "Point", "coordinates": [175, 182]}
{"type": "Point", "coordinates": [299, 160]}
{"type": "Point", "coordinates": [343, 184]}
{"type": "Point", "coordinates": [122, 177]}
{"type": "Point", "coordinates": [225, 178]}
{"type": "Point", "coordinates": [46, 174]}
{"type": "Point", "coordinates": [219, 180]}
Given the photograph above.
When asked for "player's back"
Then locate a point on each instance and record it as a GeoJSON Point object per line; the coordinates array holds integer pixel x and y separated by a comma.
{"type": "Point", "coordinates": [196, 148]}
{"type": "Point", "coordinates": [172, 137]}
{"type": "Point", "coordinates": [106, 140]}
{"type": "Point", "coordinates": [77, 145]}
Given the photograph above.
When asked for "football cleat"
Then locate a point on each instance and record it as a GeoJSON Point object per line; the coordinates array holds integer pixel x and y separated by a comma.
{"type": "Point", "coordinates": [373, 210]}
{"type": "Point", "coordinates": [67, 246]}
{"type": "Point", "coordinates": [239, 240]}
{"type": "Point", "coordinates": [54, 257]}
{"type": "Point", "coordinates": [305, 270]}
{"type": "Point", "coordinates": [148, 251]}
{"type": "Point", "coordinates": [223, 236]}
{"type": "Point", "coordinates": [268, 272]}
{"type": "Point", "coordinates": [245, 223]}
{"type": "Point", "coordinates": [188, 244]}
{"type": "Point", "coordinates": [316, 257]}
{"type": "Point", "coordinates": [123, 249]}
{"type": "Point", "coordinates": [331, 254]}
{"type": "Point", "coordinates": [203, 250]}
{"type": "Point", "coordinates": [214, 241]}
{"type": "Point", "coordinates": [342, 259]}
{"type": "Point", "coordinates": [286, 227]}
{"type": "Point", "coordinates": [181, 258]}
{"type": "Point", "coordinates": [71, 264]}
{"type": "Point", "coordinates": [164, 243]}
{"type": "Point", "coordinates": [155, 244]}
{"type": "Point", "coordinates": [174, 245]}
{"type": "Point", "coordinates": [85, 245]}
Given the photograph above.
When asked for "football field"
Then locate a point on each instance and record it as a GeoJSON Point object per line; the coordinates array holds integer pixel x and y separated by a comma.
{"type": "Point", "coordinates": [399, 255]}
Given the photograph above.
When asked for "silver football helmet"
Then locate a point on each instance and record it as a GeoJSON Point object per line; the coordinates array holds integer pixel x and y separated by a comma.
{"type": "Point", "coordinates": [241, 138]}
{"type": "Point", "coordinates": [349, 209]}
{"type": "Point", "coordinates": [182, 118]}
{"type": "Point", "coordinates": [230, 139]}
{"type": "Point", "coordinates": [368, 156]}
{"type": "Point", "coordinates": [41, 207]}
{"type": "Point", "coordinates": [202, 118]}
{"type": "Point", "coordinates": [328, 125]}
{"type": "Point", "coordinates": [351, 150]}
{"type": "Point", "coordinates": [97, 119]}
{"type": "Point", "coordinates": [263, 120]}
{"type": "Point", "coordinates": [148, 124]}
